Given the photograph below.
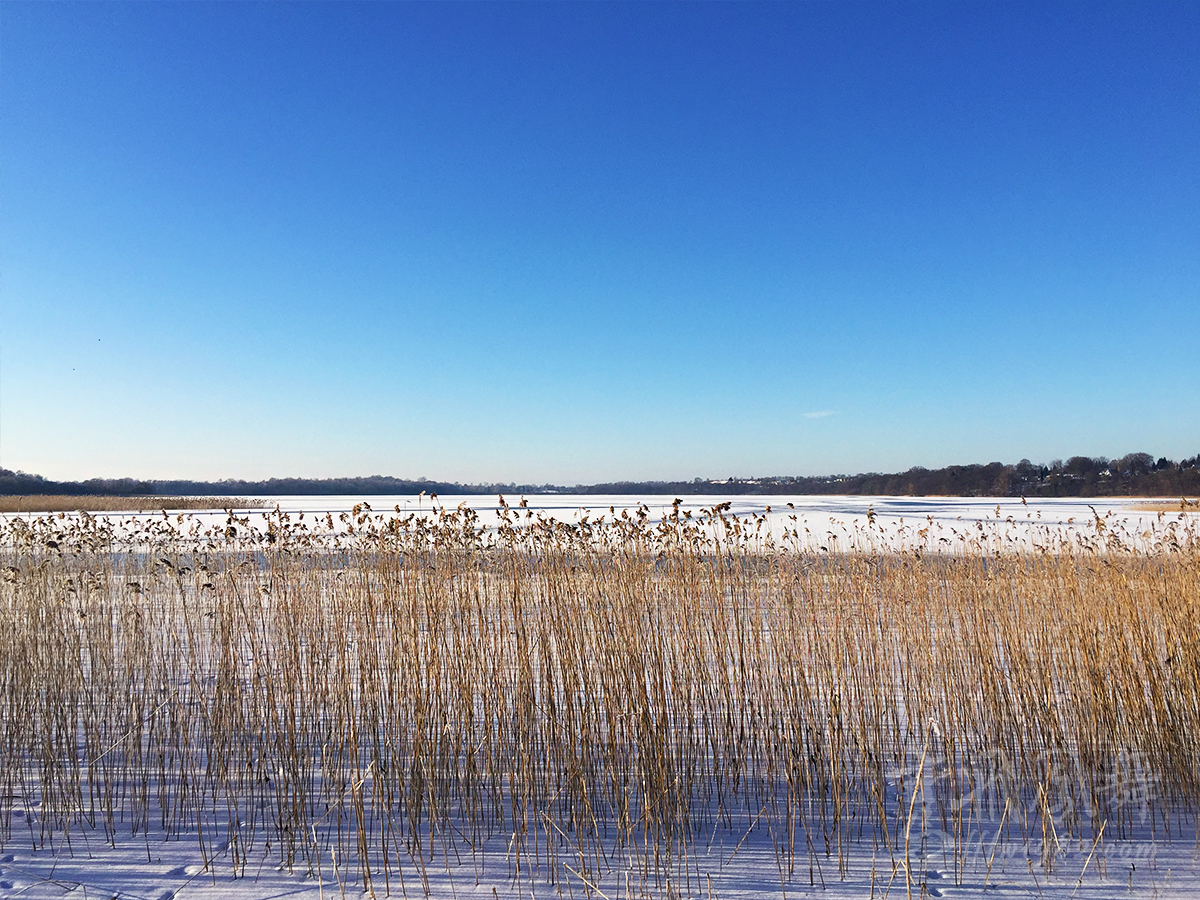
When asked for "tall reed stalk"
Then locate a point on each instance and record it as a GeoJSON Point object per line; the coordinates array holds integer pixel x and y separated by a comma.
{"type": "Point", "coordinates": [388, 694]}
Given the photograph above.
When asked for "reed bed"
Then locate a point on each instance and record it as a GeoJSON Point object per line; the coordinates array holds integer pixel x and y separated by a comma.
{"type": "Point", "coordinates": [593, 704]}
{"type": "Point", "coordinates": [1183, 504]}
{"type": "Point", "coordinates": [52, 503]}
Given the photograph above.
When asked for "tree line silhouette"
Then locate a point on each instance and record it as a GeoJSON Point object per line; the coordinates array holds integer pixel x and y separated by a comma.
{"type": "Point", "coordinates": [1135, 474]}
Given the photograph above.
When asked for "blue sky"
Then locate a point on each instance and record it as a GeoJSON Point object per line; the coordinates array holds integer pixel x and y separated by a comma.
{"type": "Point", "coordinates": [580, 242]}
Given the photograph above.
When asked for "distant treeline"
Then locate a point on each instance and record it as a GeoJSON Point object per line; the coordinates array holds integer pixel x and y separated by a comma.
{"type": "Point", "coordinates": [1135, 474]}
{"type": "Point", "coordinates": [23, 483]}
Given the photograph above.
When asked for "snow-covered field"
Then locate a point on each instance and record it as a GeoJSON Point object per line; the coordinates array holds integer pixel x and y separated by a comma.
{"type": "Point", "coordinates": [927, 820]}
{"type": "Point", "coordinates": [737, 862]}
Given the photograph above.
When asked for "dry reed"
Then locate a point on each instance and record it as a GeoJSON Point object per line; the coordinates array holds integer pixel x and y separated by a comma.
{"type": "Point", "coordinates": [52, 503]}
{"type": "Point", "coordinates": [387, 694]}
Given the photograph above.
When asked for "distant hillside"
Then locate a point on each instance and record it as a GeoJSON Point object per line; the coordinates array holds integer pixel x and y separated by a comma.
{"type": "Point", "coordinates": [23, 483]}
{"type": "Point", "coordinates": [1135, 474]}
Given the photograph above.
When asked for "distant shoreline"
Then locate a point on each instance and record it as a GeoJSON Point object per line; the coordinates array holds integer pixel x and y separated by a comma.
{"type": "Point", "coordinates": [1133, 475]}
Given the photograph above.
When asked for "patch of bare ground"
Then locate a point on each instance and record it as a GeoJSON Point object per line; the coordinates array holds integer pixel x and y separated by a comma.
{"type": "Point", "coordinates": [1182, 504]}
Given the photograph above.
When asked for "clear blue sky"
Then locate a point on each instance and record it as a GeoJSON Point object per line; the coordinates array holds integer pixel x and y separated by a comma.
{"type": "Point", "coordinates": [581, 242]}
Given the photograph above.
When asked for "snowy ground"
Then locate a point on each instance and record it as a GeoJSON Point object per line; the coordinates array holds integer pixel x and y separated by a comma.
{"type": "Point", "coordinates": [737, 862]}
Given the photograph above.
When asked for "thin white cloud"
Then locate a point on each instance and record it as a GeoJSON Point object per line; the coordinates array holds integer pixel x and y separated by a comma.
{"type": "Point", "coordinates": [819, 414]}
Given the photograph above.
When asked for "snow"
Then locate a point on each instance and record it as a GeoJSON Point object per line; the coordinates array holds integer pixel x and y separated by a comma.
{"type": "Point", "coordinates": [730, 862]}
